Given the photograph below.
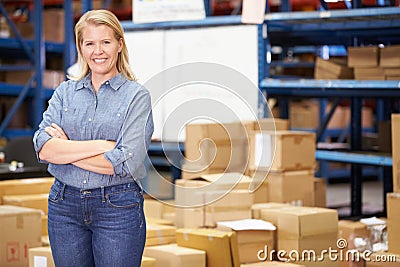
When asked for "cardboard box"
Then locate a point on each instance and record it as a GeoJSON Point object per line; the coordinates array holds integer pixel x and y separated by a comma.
{"type": "Point", "coordinates": [282, 151]}
{"type": "Point", "coordinates": [317, 243]}
{"type": "Point", "coordinates": [193, 170]}
{"type": "Point", "coordinates": [20, 229]}
{"type": "Point", "coordinates": [393, 78]}
{"type": "Point", "coordinates": [53, 25]}
{"type": "Point", "coordinates": [258, 207]}
{"type": "Point", "coordinates": [373, 73]}
{"type": "Point", "coordinates": [293, 187]}
{"type": "Point", "coordinates": [148, 262]}
{"type": "Point", "coordinates": [392, 71]}
{"type": "Point", "coordinates": [217, 206]}
{"type": "Point", "coordinates": [349, 230]}
{"type": "Point", "coordinates": [396, 152]}
{"type": "Point", "coordinates": [390, 56]}
{"type": "Point", "coordinates": [252, 236]}
{"type": "Point", "coordinates": [173, 255]}
{"type": "Point", "coordinates": [153, 208]}
{"type": "Point", "coordinates": [304, 114]}
{"type": "Point", "coordinates": [383, 259]}
{"type": "Point", "coordinates": [363, 56]}
{"type": "Point", "coordinates": [271, 124]}
{"type": "Point", "coordinates": [45, 225]}
{"type": "Point", "coordinates": [319, 192]}
{"type": "Point", "coordinates": [221, 146]}
{"type": "Point", "coordinates": [40, 257]}
{"type": "Point", "coordinates": [25, 186]}
{"type": "Point", "coordinates": [334, 68]}
{"type": "Point", "coordinates": [393, 222]}
{"type": "Point", "coordinates": [302, 228]}
{"type": "Point", "coordinates": [220, 247]}
{"type": "Point", "coordinates": [157, 234]}
{"type": "Point", "coordinates": [34, 201]}
{"type": "Point", "coordinates": [221, 182]}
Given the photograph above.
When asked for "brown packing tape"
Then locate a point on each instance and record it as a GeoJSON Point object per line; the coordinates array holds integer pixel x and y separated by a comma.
{"type": "Point", "coordinates": [224, 209]}
{"type": "Point", "coordinates": [20, 221]}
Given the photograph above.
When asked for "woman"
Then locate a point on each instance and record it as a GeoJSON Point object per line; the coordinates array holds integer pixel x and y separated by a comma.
{"type": "Point", "coordinates": [94, 135]}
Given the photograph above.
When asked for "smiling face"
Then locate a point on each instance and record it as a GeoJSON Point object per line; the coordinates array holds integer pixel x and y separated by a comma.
{"type": "Point", "coordinates": [100, 50]}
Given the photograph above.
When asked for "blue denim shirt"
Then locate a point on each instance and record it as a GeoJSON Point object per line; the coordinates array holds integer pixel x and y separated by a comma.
{"type": "Point", "coordinates": [120, 111]}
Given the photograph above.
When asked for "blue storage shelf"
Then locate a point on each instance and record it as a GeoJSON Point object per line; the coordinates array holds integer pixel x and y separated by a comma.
{"type": "Point", "coordinates": [13, 43]}
{"type": "Point", "coordinates": [331, 88]}
{"type": "Point", "coordinates": [343, 28]}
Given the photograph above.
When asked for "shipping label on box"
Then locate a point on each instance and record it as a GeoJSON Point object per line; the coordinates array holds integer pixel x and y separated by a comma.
{"type": "Point", "coordinates": [41, 257]}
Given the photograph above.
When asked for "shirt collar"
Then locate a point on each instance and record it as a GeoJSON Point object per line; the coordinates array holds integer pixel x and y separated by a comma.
{"type": "Point", "coordinates": [115, 82]}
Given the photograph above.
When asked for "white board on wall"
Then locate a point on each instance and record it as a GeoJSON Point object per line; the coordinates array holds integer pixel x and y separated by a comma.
{"type": "Point", "coordinates": [233, 47]}
{"type": "Point", "coordinates": [146, 56]}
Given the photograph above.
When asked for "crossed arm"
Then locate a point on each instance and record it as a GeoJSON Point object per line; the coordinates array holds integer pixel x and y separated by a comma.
{"type": "Point", "coordinates": [87, 155]}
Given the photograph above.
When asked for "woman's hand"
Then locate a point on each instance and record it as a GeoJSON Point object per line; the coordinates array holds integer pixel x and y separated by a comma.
{"type": "Point", "coordinates": [56, 131]}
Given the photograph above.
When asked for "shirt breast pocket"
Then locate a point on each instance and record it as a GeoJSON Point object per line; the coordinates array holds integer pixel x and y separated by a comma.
{"type": "Point", "coordinates": [70, 122]}
{"type": "Point", "coordinates": [112, 124]}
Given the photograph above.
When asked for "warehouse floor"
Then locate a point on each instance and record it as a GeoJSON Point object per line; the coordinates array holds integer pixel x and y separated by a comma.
{"type": "Point", "coordinates": [338, 196]}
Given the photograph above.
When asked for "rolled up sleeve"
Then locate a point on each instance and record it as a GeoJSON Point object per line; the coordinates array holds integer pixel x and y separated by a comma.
{"type": "Point", "coordinates": [130, 151]}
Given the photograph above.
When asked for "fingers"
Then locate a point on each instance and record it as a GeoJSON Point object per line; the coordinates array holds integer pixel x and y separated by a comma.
{"type": "Point", "coordinates": [56, 131]}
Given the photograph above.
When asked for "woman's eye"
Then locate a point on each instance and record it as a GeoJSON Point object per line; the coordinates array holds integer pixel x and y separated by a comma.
{"type": "Point", "coordinates": [88, 44]}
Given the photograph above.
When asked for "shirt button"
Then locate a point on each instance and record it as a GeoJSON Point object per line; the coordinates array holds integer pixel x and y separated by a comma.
{"type": "Point", "coordinates": [90, 119]}
{"type": "Point", "coordinates": [84, 181]}
{"type": "Point", "coordinates": [65, 109]}
{"type": "Point", "coordinates": [130, 154]}
{"type": "Point", "coordinates": [107, 83]}
{"type": "Point", "coordinates": [118, 114]}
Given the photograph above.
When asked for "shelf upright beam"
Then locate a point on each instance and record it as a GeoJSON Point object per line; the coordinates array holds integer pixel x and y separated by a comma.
{"type": "Point", "coordinates": [39, 48]}
{"type": "Point", "coordinates": [86, 5]}
{"type": "Point", "coordinates": [69, 44]}
{"type": "Point", "coordinates": [356, 169]}
{"type": "Point", "coordinates": [208, 7]}
{"type": "Point", "coordinates": [264, 51]}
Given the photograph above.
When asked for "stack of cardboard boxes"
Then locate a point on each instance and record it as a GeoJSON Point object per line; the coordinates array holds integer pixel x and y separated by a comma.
{"type": "Point", "coordinates": [375, 63]}
{"type": "Point", "coordinates": [199, 227]}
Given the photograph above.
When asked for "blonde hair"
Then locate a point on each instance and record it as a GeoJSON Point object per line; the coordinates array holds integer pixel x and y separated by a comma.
{"type": "Point", "coordinates": [107, 18]}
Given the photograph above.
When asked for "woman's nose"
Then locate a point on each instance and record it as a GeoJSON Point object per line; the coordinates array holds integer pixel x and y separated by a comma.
{"type": "Point", "coordinates": [98, 49]}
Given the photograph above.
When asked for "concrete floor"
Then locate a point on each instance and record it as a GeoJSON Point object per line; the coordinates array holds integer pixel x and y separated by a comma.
{"type": "Point", "coordinates": [338, 196]}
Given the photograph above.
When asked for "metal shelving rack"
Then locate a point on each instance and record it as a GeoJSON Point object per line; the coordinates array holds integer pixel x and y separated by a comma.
{"type": "Point", "coordinates": [35, 50]}
{"type": "Point", "coordinates": [338, 27]}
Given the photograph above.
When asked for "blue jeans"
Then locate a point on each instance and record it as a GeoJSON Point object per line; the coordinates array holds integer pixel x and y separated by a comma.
{"type": "Point", "coordinates": [102, 227]}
